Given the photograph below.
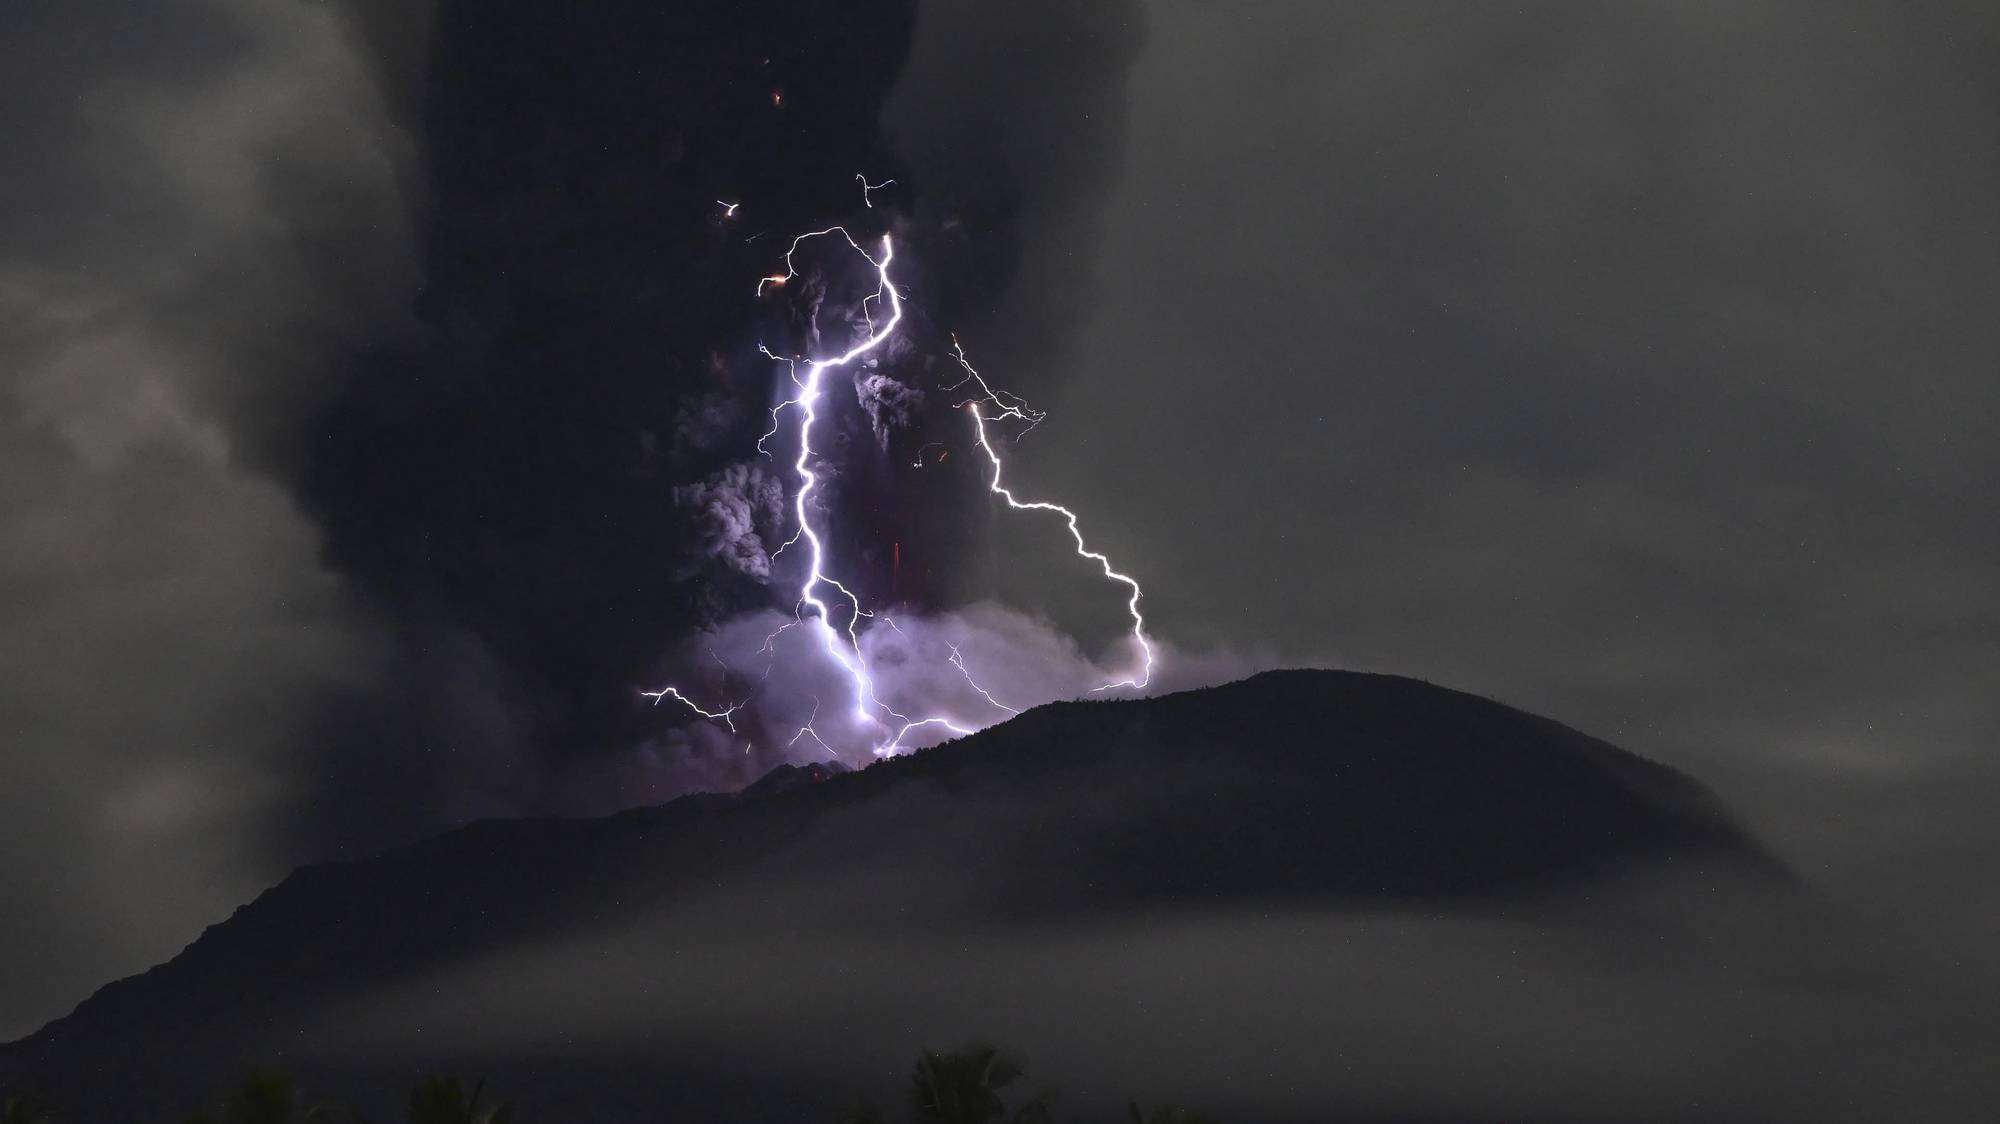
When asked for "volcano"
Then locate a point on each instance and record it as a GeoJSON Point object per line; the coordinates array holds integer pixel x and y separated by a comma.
{"type": "Point", "coordinates": [1291, 791]}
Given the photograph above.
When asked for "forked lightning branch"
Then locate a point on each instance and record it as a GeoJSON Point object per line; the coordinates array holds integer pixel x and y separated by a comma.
{"type": "Point", "coordinates": [829, 607]}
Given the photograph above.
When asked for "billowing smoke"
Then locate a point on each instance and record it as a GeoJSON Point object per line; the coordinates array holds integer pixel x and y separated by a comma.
{"type": "Point", "coordinates": [1010, 160]}
{"type": "Point", "coordinates": [892, 406]}
{"type": "Point", "coordinates": [732, 514]}
{"type": "Point", "coordinates": [980, 663]}
{"type": "Point", "coordinates": [379, 380]}
{"type": "Point", "coordinates": [552, 483]}
{"type": "Point", "coordinates": [839, 620]}
{"type": "Point", "coordinates": [379, 383]}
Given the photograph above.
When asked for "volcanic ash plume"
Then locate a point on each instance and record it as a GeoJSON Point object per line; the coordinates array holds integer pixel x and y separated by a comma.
{"type": "Point", "coordinates": [833, 670]}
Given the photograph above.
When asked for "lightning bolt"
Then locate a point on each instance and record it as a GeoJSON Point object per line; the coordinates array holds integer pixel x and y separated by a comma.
{"type": "Point", "coordinates": [1007, 405]}
{"type": "Point", "coordinates": [828, 606]}
{"type": "Point", "coordinates": [997, 485]}
{"type": "Point", "coordinates": [775, 422]}
{"type": "Point", "coordinates": [847, 655]}
{"type": "Point", "coordinates": [807, 731]}
{"type": "Point", "coordinates": [726, 717]}
{"type": "Point", "coordinates": [868, 188]}
{"type": "Point", "coordinates": [958, 661]}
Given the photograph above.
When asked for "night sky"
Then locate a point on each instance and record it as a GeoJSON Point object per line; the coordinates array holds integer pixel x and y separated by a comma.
{"type": "Point", "coordinates": [372, 372]}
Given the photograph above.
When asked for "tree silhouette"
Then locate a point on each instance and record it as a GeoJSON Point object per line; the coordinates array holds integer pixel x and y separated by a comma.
{"type": "Point", "coordinates": [1168, 1115]}
{"type": "Point", "coordinates": [267, 1096]}
{"type": "Point", "coordinates": [963, 1087]}
{"type": "Point", "coordinates": [443, 1100]}
{"type": "Point", "coordinates": [24, 1110]}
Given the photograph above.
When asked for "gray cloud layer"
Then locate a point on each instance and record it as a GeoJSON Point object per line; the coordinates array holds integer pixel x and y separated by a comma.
{"type": "Point", "coordinates": [201, 209]}
{"type": "Point", "coordinates": [1659, 1001]}
{"type": "Point", "coordinates": [1634, 365]}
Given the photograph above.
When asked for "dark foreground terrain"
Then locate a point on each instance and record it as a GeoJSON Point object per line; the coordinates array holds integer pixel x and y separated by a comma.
{"type": "Point", "coordinates": [1340, 861]}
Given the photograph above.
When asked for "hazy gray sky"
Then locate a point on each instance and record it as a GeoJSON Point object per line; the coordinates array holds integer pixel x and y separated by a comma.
{"type": "Point", "coordinates": [1633, 364]}
{"type": "Point", "coordinates": [167, 633]}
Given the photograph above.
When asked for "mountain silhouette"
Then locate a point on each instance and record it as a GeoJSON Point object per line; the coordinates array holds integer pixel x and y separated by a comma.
{"type": "Point", "coordinates": [1306, 789]}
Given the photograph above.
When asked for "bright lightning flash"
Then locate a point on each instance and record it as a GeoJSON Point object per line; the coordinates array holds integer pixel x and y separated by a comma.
{"type": "Point", "coordinates": [726, 717]}
{"type": "Point", "coordinates": [829, 607]}
{"type": "Point", "coordinates": [996, 485]}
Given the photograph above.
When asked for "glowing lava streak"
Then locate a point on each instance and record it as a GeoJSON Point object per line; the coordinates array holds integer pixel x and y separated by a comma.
{"type": "Point", "coordinates": [998, 488]}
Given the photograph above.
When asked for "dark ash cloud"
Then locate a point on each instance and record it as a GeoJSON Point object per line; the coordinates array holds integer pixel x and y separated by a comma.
{"type": "Point", "coordinates": [356, 355]}
{"type": "Point", "coordinates": [553, 469]}
{"type": "Point", "coordinates": [733, 514]}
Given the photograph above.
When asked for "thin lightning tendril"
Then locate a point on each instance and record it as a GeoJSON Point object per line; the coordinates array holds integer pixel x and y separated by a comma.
{"type": "Point", "coordinates": [808, 731]}
{"type": "Point", "coordinates": [869, 188]}
{"type": "Point", "coordinates": [1010, 405]}
{"type": "Point", "coordinates": [958, 661]}
{"type": "Point", "coordinates": [999, 488]}
{"type": "Point", "coordinates": [726, 717]}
